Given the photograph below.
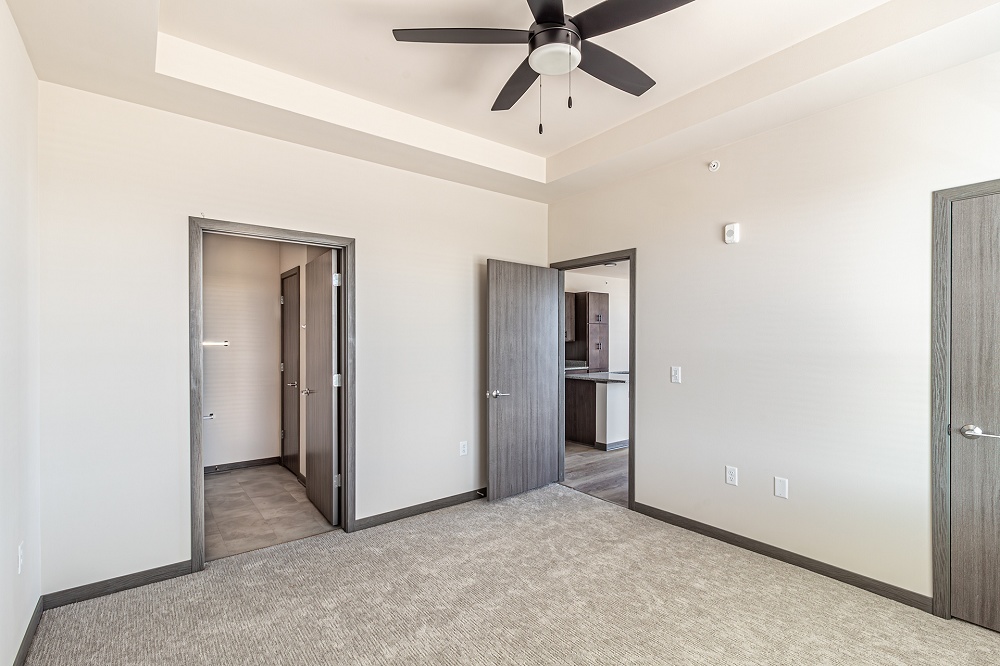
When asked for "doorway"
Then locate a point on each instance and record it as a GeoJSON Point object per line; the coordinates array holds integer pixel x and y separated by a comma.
{"type": "Point", "coordinates": [526, 375]}
{"type": "Point", "coordinates": [596, 352]}
{"type": "Point", "coordinates": [240, 460]}
{"type": "Point", "coordinates": [965, 428]}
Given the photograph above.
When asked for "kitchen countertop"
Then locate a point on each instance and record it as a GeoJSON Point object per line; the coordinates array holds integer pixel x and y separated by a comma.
{"type": "Point", "coordinates": [601, 377]}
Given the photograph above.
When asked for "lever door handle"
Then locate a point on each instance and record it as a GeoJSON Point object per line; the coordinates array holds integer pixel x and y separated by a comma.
{"type": "Point", "coordinates": [292, 384]}
{"type": "Point", "coordinates": [307, 391]}
{"type": "Point", "coordinates": [496, 394]}
{"type": "Point", "coordinates": [975, 432]}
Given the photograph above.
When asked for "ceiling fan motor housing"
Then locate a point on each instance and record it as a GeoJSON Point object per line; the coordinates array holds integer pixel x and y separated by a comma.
{"type": "Point", "coordinates": [553, 48]}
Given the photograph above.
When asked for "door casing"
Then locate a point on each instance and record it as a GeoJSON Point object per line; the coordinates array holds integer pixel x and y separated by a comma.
{"type": "Point", "coordinates": [941, 272]}
{"type": "Point", "coordinates": [198, 226]}
{"type": "Point", "coordinates": [586, 262]}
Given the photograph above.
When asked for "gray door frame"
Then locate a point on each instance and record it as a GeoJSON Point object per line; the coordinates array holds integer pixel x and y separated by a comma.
{"type": "Point", "coordinates": [198, 226]}
{"type": "Point", "coordinates": [586, 262]}
{"type": "Point", "coordinates": [941, 272]}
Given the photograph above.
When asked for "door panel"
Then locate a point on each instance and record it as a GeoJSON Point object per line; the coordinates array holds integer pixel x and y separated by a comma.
{"type": "Point", "coordinates": [975, 483]}
{"type": "Point", "coordinates": [290, 374]}
{"type": "Point", "coordinates": [523, 351]}
{"type": "Point", "coordinates": [322, 449]}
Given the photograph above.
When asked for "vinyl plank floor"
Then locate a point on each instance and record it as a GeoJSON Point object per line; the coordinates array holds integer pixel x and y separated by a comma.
{"type": "Point", "coordinates": [603, 474]}
{"type": "Point", "coordinates": [256, 507]}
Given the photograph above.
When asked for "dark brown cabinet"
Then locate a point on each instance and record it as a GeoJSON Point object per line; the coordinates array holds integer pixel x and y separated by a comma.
{"type": "Point", "coordinates": [597, 347]}
{"type": "Point", "coordinates": [596, 304]}
{"type": "Point", "coordinates": [590, 323]}
{"type": "Point", "coordinates": [570, 317]}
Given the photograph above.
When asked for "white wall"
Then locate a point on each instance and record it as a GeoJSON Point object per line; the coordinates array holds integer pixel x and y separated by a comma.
{"type": "Point", "coordinates": [19, 355]}
{"type": "Point", "coordinates": [618, 311]}
{"type": "Point", "coordinates": [242, 288]}
{"type": "Point", "coordinates": [118, 182]}
{"type": "Point", "coordinates": [805, 348]}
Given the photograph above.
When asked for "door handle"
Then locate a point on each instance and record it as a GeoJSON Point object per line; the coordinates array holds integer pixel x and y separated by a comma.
{"type": "Point", "coordinates": [496, 394]}
{"type": "Point", "coordinates": [292, 384]}
{"type": "Point", "coordinates": [307, 391]}
{"type": "Point", "coordinates": [975, 432]}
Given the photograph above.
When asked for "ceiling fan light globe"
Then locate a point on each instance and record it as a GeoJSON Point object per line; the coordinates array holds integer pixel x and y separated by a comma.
{"type": "Point", "coordinates": [555, 59]}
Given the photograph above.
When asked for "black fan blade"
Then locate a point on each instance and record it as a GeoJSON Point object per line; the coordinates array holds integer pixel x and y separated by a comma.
{"type": "Point", "coordinates": [547, 11]}
{"type": "Point", "coordinates": [614, 70]}
{"type": "Point", "coordinates": [516, 86]}
{"type": "Point", "coordinates": [461, 35]}
{"type": "Point", "coordinates": [614, 14]}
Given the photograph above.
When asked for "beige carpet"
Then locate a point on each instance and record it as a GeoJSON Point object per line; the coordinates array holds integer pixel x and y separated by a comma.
{"type": "Point", "coordinates": [550, 577]}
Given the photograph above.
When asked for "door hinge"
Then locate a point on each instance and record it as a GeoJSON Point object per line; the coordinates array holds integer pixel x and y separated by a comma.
{"type": "Point", "coordinates": [338, 381]}
{"type": "Point", "coordinates": [282, 367]}
{"type": "Point", "coordinates": [336, 279]}
{"type": "Point", "coordinates": [282, 434]}
{"type": "Point", "coordinates": [282, 299]}
{"type": "Point", "coordinates": [336, 481]}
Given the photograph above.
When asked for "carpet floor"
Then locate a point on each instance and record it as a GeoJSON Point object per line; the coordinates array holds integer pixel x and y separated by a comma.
{"type": "Point", "coordinates": [550, 577]}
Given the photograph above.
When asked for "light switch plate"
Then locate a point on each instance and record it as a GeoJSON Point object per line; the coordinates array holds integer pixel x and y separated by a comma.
{"type": "Point", "coordinates": [675, 374]}
{"type": "Point", "coordinates": [780, 487]}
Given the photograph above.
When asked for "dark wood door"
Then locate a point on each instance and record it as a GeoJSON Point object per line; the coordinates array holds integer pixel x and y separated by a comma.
{"type": "Point", "coordinates": [523, 379]}
{"type": "Point", "coordinates": [322, 450]}
{"type": "Point", "coordinates": [975, 401]}
{"type": "Point", "coordinates": [290, 371]}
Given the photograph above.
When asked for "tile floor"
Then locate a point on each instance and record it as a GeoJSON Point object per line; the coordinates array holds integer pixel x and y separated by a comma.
{"type": "Point", "coordinates": [599, 473]}
{"type": "Point", "coordinates": [256, 507]}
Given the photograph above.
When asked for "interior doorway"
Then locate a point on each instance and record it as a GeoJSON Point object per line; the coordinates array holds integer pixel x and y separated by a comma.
{"type": "Point", "coordinates": [526, 378]}
{"type": "Point", "coordinates": [596, 353]}
{"type": "Point", "coordinates": [966, 405]}
{"type": "Point", "coordinates": [272, 386]}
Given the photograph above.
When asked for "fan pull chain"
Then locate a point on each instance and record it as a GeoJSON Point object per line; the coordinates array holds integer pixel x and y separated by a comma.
{"type": "Point", "coordinates": [569, 56]}
{"type": "Point", "coordinates": [540, 128]}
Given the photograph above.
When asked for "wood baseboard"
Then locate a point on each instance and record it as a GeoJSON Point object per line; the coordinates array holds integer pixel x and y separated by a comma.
{"type": "Point", "coordinates": [417, 509]}
{"type": "Point", "coordinates": [886, 590]}
{"type": "Point", "coordinates": [260, 462]}
{"type": "Point", "coordinates": [119, 584]}
{"type": "Point", "coordinates": [29, 634]}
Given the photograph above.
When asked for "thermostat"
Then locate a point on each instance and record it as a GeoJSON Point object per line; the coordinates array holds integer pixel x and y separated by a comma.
{"type": "Point", "coordinates": [732, 233]}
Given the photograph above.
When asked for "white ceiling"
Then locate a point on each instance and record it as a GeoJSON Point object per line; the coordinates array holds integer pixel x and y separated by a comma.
{"type": "Point", "coordinates": [327, 74]}
{"type": "Point", "coordinates": [619, 271]}
{"type": "Point", "coordinates": [348, 46]}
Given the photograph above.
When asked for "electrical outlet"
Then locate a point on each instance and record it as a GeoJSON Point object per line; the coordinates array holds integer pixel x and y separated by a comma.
{"type": "Point", "coordinates": [463, 448]}
{"type": "Point", "coordinates": [732, 476]}
{"type": "Point", "coordinates": [20, 558]}
{"type": "Point", "coordinates": [675, 374]}
{"type": "Point", "coordinates": [780, 487]}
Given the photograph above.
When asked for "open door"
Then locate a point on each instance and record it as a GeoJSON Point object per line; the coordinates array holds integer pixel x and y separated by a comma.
{"type": "Point", "coordinates": [523, 350]}
{"type": "Point", "coordinates": [322, 447]}
{"type": "Point", "coordinates": [290, 371]}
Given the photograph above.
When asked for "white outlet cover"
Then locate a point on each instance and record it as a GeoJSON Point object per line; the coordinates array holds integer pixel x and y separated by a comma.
{"type": "Point", "coordinates": [20, 557]}
{"type": "Point", "coordinates": [675, 374]}
{"type": "Point", "coordinates": [732, 476]}
{"type": "Point", "coordinates": [463, 448]}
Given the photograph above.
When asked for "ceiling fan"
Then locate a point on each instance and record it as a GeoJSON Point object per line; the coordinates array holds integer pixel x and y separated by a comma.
{"type": "Point", "coordinates": [558, 44]}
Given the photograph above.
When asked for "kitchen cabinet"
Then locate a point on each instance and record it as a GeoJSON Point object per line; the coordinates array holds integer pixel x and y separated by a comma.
{"type": "Point", "coordinates": [590, 341]}
{"type": "Point", "coordinates": [597, 347]}
{"type": "Point", "coordinates": [595, 304]}
{"type": "Point", "coordinates": [570, 317]}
